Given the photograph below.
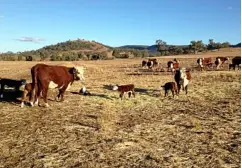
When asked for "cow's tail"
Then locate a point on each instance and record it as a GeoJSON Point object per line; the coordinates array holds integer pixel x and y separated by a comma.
{"type": "Point", "coordinates": [34, 84]}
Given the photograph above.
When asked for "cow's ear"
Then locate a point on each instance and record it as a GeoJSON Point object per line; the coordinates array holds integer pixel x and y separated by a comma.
{"type": "Point", "coordinates": [73, 71]}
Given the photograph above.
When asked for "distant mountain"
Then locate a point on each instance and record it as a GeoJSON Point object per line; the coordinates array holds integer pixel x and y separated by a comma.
{"type": "Point", "coordinates": [236, 45]}
{"type": "Point", "coordinates": [151, 48]}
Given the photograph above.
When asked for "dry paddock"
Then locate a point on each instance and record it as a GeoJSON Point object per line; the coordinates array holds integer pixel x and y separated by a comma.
{"type": "Point", "coordinates": [198, 130]}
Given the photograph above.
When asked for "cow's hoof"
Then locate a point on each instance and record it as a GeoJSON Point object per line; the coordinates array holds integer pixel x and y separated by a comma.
{"type": "Point", "coordinates": [22, 105]}
{"type": "Point", "coordinates": [47, 105]}
{"type": "Point", "coordinates": [31, 104]}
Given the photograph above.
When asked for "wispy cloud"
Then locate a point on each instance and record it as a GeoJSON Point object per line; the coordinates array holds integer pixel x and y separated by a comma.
{"type": "Point", "coordinates": [30, 39]}
{"type": "Point", "coordinates": [230, 8]}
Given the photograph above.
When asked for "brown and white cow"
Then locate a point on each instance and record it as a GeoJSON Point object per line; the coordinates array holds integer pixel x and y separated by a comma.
{"type": "Point", "coordinates": [204, 62]}
{"type": "Point", "coordinates": [53, 76]}
{"type": "Point", "coordinates": [170, 86]}
{"type": "Point", "coordinates": [27, 93]}
{"type": "Point", "coordinates": [152, 62]}
{"type": "Point", "coordinates": [172, 66]}
{"type": "Point", "coordinates": [220, 61]}
{"type": "Point", "coordinates": [125, 88]}
{"type": "Point", "coordinates": [182, 78]}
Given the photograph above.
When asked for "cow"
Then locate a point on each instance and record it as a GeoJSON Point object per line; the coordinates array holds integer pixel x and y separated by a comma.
{"type": "Point", "coordinates": [220, 61]}
{"type": "Point", "coordinates": [170, 86]}
{"type": "Point", "coordinates": [16, 84]}
{"type": "Point", "coordinates": [29, 58]}
{"type": "Point", "coordinates": [182, 78]}
{"type": "Point", "coordinates": [236, 61]}
{"type": "Point", "coordinates": [125, 88]}
{"type": "Point", "coordinates": [172, 66]}
{"type": "Point", "coordinates": [152, 62]}
{"type": "Point", "coordinates": [144, 63]}
{"type": "Point", "coordinates": [204, 62]}
{"type": "Point", "coordinates": [27, 93]}
{"type": "Point", "coordinates": [53, 76]}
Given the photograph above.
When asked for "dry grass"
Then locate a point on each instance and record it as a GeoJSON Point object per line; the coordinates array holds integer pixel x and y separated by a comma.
{"type": "Point", "coordinates": [198, 130]}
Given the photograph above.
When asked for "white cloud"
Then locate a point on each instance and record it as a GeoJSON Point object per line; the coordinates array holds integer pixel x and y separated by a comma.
{"type": "Point", "coordinates": [30, 39]}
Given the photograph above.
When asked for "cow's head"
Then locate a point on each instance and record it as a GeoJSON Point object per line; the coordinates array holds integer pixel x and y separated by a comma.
{"type": "Point", "coordinates": [182, 73]}
{"type": "Point", "coordinates": [78, 73]}
{"type": "Point", "coordinates": [115, 87]}
{"type": "Point", "coordinates": [200, 62]}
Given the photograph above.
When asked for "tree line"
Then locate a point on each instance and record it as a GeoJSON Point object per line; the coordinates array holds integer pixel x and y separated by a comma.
{"type": "Point", "coordinates": [193, 48]}
{"type": "Point", "coordinates": [90, 50]}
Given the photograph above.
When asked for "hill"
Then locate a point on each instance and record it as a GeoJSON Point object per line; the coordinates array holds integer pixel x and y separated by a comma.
{"type": "Point", "coordinates": [70, 50]}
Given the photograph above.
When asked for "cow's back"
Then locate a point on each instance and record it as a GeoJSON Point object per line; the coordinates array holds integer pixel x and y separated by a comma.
{"type": "Point", "coordinates": [236, 60]}
{"type": "Point", "coordinates": [57, 74]}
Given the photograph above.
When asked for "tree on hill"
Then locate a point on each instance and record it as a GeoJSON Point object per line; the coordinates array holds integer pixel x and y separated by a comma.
{"type": "Point", "coordinates": [196, 46]}
{"type": "Point", "coordinates": [211, 45]}
{"type": "Point", "coordinates": [225, 44]}
{"type": "Point", "coordinates": [218, 45]}
{"type": "Point", "coordinates": [161, 46]}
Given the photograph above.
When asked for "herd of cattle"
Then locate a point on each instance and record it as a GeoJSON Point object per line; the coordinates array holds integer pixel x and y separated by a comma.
{"type": "Point", "coordinates": [202, 63]}
{"type": "Point", "coordinates": [61, 77]}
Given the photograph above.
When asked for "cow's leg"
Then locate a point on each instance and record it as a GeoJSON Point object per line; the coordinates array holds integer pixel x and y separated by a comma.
{"type": "Point", "coordinates": [166, 93]}
{"type": "Point", "coordinates": [61, 94]}
{"type": "Point", "coordinates": [176, 91]}
{"type": "Point", "coordinates": [24, 95]}
{"type": "Point", "coordinates": [44, 94]}
{"type": "Point", "coordinates": [179, 88]}
{"type": "Point", "coordinates": [1, 92]}
{"type": "Point", "coordinates": [129, 94]}
{"type": "Point", "coordinates": [173, 94]}
{"type": "Point", "coordinates": [121, 95]}
{"type": "Point", "coordinates": [186, 87]}
{"type": "Point", "coordinates": [133, 92]}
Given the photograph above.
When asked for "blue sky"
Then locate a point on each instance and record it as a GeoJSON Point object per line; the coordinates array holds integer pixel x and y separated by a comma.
{"type": "Point", "coordinates": [32, 24]}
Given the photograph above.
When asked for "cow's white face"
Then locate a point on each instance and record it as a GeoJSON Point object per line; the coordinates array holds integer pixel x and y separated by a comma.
{"type": "Point", "coordinates": [200, 62]}
{"type": "Point", "coordinates": [115, 87]}
{"type": "Point", "coordinates": [80, 72]}
{"type": "Point", "coordinates": [183, 73]}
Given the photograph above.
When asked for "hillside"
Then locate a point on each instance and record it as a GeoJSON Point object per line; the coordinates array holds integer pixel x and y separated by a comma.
{"type": "Point", "coordinates": [80, 49]}
{"type": "Point", "coordinates": [153, 48]}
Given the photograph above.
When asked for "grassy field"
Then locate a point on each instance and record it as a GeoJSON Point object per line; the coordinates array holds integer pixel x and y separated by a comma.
{"type": "Point", "coordinates": [201, 129]}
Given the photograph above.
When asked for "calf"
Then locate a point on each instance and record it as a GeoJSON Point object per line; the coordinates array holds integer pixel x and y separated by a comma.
{"type": "Point", "coordinates": [172, 65]}
{"type": "Point", "coordinates": [11, 83]}
{"type": "Point", "coordinates": [27, 93]}
{"type": "Point", "coordinates": [53, 76]}
{"type": "Point", "coordinates": [170, 86]}
{"type": "Point", "coordinates": [220, 61]}
{"type": "Point", "coordinates": [204, 62]}
{"type": "Point", "coordinates": [84, 91]}
{"type": "Point", "coordinates": [182, 78]}
{"type": "Point", "coordinates": [152, 62]}
{"type": "Point", "coordinates": [125, 88]}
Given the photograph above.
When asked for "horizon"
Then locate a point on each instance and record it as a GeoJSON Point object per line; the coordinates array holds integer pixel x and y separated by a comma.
{"type": "Point", "coordinates": [30, 25]}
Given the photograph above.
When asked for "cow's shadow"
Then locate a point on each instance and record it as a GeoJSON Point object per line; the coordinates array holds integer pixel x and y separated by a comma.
{"type": "Point", "coordinates": [95, 95]}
